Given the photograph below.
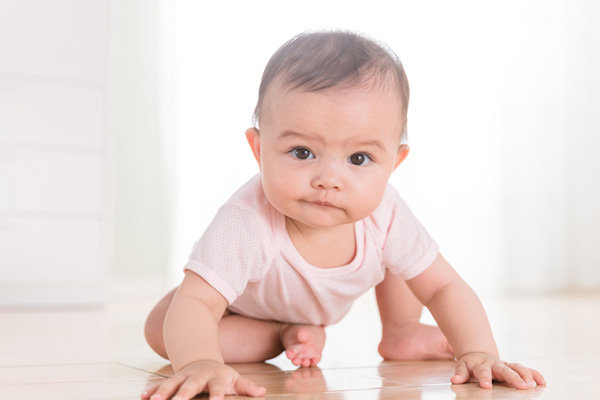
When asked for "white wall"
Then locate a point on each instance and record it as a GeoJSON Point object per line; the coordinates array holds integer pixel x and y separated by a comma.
{"type": "Point", "coordinates": [501, 123]}
{"type": "Point", "coordinates": [140, 230]}
{"type": "Point", "coordinates": [54, 149]}
{"type": "Point", "coordinates": [503, 128]}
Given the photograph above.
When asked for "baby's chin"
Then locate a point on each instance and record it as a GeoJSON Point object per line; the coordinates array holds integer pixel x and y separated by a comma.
{"type": "Point", "coordinates": [322, 223]}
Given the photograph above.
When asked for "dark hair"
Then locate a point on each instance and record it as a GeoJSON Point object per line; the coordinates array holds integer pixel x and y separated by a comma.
{"type": "Point", "coordinates": [317, 61]}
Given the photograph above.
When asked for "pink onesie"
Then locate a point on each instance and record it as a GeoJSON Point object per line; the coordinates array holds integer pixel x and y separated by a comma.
{"type": "Point", "coordinates": [247, 255]}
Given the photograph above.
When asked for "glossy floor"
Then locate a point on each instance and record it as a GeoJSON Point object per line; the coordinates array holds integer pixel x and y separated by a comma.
{"type": "Point", "coordinates": [101, 354]}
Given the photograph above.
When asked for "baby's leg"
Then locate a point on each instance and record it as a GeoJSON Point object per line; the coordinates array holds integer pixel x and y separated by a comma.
{"type": "Point", "coordinates": [403, 336]}
{"type": "Point", "coordinates": [240, 339]}
{"type": "Point", "coordinates": [153, 329]}
{"type": "Point", "coordinates": [243, 339]}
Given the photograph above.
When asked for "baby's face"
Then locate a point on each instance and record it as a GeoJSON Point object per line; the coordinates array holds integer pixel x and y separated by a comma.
{"type": "Point", "coordinates": [326, 157]}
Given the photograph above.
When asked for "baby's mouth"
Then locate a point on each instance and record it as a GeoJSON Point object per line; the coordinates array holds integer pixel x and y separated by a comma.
{"type": "Point", "coordinates": [324, 204]}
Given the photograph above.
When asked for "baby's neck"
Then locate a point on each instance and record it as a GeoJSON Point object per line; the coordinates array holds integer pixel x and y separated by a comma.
{"type": "Point", "coordinates": [323, 247]}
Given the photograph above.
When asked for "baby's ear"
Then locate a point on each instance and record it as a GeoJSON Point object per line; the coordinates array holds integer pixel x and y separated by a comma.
{"type": "Point", "coordinates": [403, 151]}
{"type": "Point", "coordinates": [253, 138]}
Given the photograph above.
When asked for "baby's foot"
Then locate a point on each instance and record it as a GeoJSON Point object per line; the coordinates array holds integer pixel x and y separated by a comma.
{"type": "Point", "coordinates": [303, 344]}
{"type": "Point", "coordinates": [414, 341]}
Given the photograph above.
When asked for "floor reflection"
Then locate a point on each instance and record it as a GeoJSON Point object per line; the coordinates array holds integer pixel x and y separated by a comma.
{"type": "Point", "coordinates": [423, 380]}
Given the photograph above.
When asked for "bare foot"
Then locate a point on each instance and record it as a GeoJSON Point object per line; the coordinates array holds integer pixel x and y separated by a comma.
{"type": "Point", "coordinates": [414, 341]}
{"type": "Point", "coordinates": [303, 344]}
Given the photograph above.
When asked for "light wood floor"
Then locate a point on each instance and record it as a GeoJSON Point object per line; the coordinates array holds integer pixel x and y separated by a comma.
{"type": "Point", "coordinates": [101, 354]}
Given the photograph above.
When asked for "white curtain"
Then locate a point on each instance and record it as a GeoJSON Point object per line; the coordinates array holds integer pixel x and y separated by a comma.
{"type": "Point", "coordinates": [503, 123]}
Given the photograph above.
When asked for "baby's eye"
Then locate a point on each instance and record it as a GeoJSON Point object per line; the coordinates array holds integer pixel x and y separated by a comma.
{"type": "Point", "coordinates": [301, 153]}
{"type": "Point", "coordinates": [359, 159]}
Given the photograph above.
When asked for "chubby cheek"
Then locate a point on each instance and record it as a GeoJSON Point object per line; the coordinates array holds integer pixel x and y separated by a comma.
{"type": "Point", "coordinates": [280, 187]}
{"type": "Point", "coordinates": [365, 199]}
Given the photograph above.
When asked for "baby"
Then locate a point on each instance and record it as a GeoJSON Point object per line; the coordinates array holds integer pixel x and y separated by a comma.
{"type": "Point", "coordinates": [294, 247]}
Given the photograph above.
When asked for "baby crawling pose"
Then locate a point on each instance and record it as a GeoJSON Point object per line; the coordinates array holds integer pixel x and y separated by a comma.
{"type": "Point", "coordinates": [319, 226]}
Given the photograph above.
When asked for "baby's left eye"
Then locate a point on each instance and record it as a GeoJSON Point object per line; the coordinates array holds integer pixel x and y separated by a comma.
{"type": "Point", "coordinates": [359, 159]}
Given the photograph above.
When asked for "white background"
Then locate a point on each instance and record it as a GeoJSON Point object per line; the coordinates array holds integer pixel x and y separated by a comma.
{"type": "Point", "coordinates": [122, 131]}
{"type": "Point", "coordinates": [502, 124]}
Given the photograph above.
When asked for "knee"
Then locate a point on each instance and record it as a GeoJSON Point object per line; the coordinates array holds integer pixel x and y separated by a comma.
{"type": "Point", "coordinates": [153, 331]}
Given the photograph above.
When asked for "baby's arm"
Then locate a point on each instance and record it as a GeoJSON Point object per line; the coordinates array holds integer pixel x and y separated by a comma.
{"type": "Point", "coordinates": [191, 340]}
{"type": "Point", "coordinates": [461, 316]}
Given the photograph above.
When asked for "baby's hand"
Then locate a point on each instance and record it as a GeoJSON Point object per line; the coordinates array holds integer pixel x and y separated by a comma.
{"type": "Point", "coordinates": [208, 376]}
{"type": "Point", "coordinates": [485, 367]}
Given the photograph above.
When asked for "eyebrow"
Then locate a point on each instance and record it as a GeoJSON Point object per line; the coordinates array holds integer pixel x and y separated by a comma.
{"type": "Point", "coordinates": [372, 143]}
{"type": "Point", "coordinates": [293, 135]}
{"type": "Point", "coordinates": [361, 143]}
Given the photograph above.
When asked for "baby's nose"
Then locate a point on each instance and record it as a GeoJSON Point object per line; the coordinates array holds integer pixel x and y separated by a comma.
{"type": "Point", "coordinates": [328, 177]}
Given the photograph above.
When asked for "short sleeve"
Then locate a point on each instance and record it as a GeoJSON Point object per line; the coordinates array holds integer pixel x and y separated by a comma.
{"type": "Point", "coordinates": [408, 248]}
{"type": "Point", "coordinates": [231, 253]}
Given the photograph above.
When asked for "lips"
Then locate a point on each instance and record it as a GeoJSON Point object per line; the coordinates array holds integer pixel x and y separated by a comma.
{"type": "Point", "coordinates": [324, 204]}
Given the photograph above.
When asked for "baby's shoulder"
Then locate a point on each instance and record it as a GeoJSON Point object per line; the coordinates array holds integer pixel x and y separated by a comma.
{"type": "Point", "coordinates": [243, 226]}
{"type": "Point", "coordinates": [391, 210]}
{"type": "Point", "coordinates": [251, 198]}
{"type": "Point", "coordinates": [390, 202]}
{"type": "Point", "coordinates": [251, 209]}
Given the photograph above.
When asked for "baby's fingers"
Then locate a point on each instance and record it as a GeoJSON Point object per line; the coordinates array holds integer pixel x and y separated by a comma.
{"type": "Point", "coordinates": [483, 374]}
{"type": "Point", "coordinates": [163, 390]}
{"type": "Point", "coordinates": [525, 373]}
{"type": "Point", "coordinates": [461, 374]}
{"type": "Point", "coordinates": [190, 388]}
{"type": "Point", "coordinates": [216, 389]}
{"type": "Point", "coordinates": [539, 379]}
{"type": "Point", "coordinates": [514, 374]}
{"type": "Point", "coordinates": [531, 377]}
{"type": "Point", "coordinates": [149, 391]}
{"type": "Point", "coordinates": [246, 387]}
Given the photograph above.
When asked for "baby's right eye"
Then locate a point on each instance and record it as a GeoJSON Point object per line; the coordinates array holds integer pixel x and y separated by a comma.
{"type": "Point", "coordinates": [302, 153]}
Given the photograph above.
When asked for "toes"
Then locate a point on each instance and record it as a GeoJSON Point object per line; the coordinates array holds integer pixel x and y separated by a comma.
{"type": "Point", "coordinates": [302, 356]}
{"type": "Point", "coordinates": [303, 345]}
{"type": "Point", "coordinates": [299, 351]}
{"type": "Point", "coordinates": [290, 353]}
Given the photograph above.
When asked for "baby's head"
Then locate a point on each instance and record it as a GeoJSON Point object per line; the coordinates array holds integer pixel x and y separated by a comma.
{"type": "Point", "coordinates": [332, 112]}
{"type": "Point", "coordinates": [330, 61]}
